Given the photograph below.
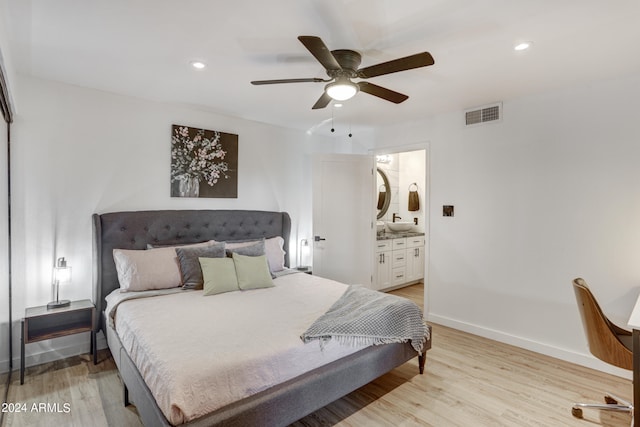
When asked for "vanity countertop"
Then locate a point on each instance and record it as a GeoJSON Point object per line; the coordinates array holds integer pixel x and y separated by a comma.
{"type": "Point", "coordinates": [397, 234]}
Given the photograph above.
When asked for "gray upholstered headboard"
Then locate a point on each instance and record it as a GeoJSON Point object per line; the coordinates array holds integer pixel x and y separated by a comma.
{"type": "Point", "coordinates": [134, 230]}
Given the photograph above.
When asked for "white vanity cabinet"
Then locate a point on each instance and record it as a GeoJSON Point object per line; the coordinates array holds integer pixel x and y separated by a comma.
{"type": "Point", "coordinates": [383, 263]}
{"type": "Point", "coordinates": [399, 261]}
{"type": "Point", "coordinates": [399, 256]}
{"type": "Point", "coordinates": [415, 258]}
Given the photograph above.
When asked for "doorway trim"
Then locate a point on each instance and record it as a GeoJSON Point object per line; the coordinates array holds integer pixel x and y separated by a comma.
{"type": "Point", "coordinates": [426, 146]}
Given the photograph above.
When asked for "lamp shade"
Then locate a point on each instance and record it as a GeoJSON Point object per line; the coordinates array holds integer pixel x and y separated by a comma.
{"type": "Point", "coordinates": [61, 274]}
{"type": "Point", "coordinates": [342, 89]}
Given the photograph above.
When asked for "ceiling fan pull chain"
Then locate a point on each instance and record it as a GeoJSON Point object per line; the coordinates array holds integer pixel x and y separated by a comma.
{"type": "Point", "coordinates": [332, 129]}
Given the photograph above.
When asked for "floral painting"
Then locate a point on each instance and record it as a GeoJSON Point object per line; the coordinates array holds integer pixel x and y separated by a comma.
{"type": "Point", "coordinates": [204, 163]}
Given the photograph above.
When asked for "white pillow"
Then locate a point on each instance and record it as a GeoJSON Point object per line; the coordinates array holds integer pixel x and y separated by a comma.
{"type": "Point", "coordinates": [147, 269]}
{"type": "Point", "coordinates": [274, 249]}
{"type": "Point", "coordinates": [275, 253]}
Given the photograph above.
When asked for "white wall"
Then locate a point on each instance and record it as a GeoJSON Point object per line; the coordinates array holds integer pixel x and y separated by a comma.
{"type": "Point", "coordinates": [79, 151]}
{"type": "Point", "coordinates": [550, 193]}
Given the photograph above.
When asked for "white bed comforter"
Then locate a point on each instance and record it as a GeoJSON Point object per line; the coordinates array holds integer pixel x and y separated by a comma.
{"type": "Point", "coordinates": [199, 353]}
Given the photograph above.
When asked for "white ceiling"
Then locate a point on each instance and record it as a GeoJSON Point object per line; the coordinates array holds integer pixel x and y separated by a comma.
{"type": "Point", "coordinates": [143, 48]}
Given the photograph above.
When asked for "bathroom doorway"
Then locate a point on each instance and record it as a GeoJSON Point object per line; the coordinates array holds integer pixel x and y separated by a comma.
{"type": "Point", "coordinates": [402, 211]}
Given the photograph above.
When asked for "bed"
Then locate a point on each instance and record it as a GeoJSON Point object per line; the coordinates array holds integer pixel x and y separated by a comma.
{"type": "Point", "coordinates": [276, 405]}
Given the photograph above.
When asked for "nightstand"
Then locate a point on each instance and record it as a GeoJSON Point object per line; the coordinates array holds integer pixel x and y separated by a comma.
{"type": "Point", "coordinates": [305, 269]}
{"type": "Point", "coordinates": [40, 323]}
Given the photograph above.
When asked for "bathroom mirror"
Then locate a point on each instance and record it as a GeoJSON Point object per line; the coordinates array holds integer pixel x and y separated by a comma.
{"type": "Point", "coordinates": [384, 193]}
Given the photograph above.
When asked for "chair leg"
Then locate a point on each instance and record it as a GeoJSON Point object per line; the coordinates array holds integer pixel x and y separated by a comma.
{"type": "Point", "coordinates": [615, 400]}
{"type": "Point", "coordinates": [610, 398]}
{"type": "Point", "coordinates": [613, 403]}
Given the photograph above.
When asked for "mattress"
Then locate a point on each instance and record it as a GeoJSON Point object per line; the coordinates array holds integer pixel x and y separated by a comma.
{"type": "Point", "coordinates": [199, 353]}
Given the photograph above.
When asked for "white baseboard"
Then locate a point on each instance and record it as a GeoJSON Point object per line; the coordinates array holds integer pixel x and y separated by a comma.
{"type": "Point", "coordinates": [582, 359]}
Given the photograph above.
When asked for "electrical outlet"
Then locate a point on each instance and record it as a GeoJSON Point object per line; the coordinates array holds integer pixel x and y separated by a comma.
{"type": "Point", "coordinates": [447, 210]}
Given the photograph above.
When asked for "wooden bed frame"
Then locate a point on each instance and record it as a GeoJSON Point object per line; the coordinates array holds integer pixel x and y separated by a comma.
{"type": "Point", "coordinates": [276, 406]}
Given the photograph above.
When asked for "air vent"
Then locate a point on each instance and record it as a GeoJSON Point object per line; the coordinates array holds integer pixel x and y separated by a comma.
{"type": "Point", "coordinates": [479, 115]}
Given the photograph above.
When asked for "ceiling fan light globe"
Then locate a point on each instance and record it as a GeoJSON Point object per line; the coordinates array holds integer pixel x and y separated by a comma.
{"type": "Point", "coordinates": [341, 91]}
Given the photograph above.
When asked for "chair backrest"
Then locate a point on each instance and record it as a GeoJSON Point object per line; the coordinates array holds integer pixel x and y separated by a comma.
{"type": "Point", "coordinates": [601, 333]}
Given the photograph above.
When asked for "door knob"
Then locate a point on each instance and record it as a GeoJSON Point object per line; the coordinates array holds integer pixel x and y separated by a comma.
{"type": "Point", "coordinates": [318, 238]}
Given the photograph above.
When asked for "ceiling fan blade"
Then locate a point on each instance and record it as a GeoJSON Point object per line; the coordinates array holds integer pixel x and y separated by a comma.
{"type": "Point", "coordinates": [273, 82]}
{"type": "Point", "coordinates": [322, 102]}
{"type": "Point", "coordinates": [418, 60]}
{"type": "Point", "coordinates": [382, 92]}
{"type": "Point", "coordinates": [319, 50]}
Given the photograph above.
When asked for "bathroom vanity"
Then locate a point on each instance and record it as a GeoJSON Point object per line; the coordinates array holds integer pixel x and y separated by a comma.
{"type": "Point", "coordinates": [399, 259]}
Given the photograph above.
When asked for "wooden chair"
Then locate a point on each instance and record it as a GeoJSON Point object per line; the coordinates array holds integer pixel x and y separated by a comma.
{"type": "Point", "coordinates": [607, 342]}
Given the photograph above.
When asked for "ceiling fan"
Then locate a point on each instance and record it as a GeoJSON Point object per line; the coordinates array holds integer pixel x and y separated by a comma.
{"type": "Point", "coordinates": [342, 66]}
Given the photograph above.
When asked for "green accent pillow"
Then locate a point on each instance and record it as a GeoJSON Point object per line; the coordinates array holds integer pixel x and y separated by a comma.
{"type": "Point", "coordinates": [219, 275]}
{"type": "Point", "coordinates": [252, 271]}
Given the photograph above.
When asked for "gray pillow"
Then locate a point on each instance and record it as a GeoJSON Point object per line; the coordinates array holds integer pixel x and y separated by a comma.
{"type": "Point", "coordinates": [190, 265]}
{"type": "Point", "coordinates": [255, 249]}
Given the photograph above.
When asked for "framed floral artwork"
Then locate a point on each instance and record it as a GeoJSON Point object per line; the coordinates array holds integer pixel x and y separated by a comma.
{"type": "Point", "coordinates": [204, 163]}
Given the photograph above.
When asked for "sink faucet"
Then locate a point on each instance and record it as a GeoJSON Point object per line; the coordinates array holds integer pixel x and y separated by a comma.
{"type": "Point", "coordinates": [396, 216]}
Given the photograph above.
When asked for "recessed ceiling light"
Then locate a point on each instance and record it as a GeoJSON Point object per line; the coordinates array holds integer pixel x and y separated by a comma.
{"type": "Point", "coordinates": [199, 65]}
{"type": "Point", "coordinates": [337, 105]}
{"type": "Point", "coordinates": [522, 46]}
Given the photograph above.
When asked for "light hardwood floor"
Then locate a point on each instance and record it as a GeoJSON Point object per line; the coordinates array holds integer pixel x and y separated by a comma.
{"type": "Point", "coordinates": [468, 381]}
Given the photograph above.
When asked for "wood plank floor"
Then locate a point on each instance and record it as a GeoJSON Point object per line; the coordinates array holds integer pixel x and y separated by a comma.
{"type": "Point", "coordinates": [468, 381]}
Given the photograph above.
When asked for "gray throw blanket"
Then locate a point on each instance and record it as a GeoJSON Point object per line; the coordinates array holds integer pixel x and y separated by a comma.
{"type": "Point", "coordinates": [365, 317]}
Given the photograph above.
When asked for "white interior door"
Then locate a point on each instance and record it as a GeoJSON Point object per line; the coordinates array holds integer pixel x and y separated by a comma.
{"type": "Point", "coordinates": [343, 218]}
